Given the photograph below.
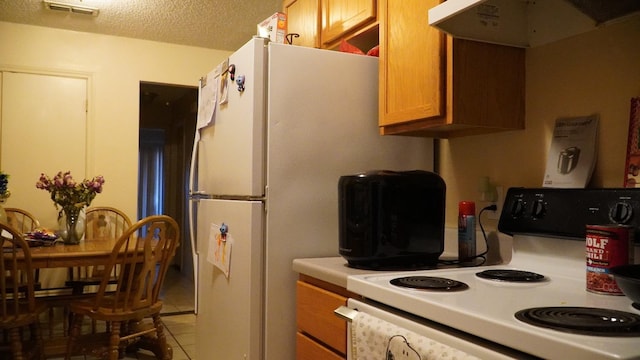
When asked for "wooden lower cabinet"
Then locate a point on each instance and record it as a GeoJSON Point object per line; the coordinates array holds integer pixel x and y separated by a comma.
{"type": "Point", "coordinates": [321, 334]}
{"type": "Point", "coordinates": [309, 349]}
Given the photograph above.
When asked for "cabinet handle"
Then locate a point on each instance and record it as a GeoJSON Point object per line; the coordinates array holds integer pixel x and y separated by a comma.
{"type": "Point", "coordinates": [289, 37]}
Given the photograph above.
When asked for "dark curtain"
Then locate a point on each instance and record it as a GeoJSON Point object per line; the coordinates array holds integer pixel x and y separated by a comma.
{"type": "Point", "coordinates": [151, 172]}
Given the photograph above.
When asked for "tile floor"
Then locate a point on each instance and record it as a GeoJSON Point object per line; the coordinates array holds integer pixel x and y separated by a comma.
{"type": "Point", "coordinates": [177, 293]}
{"type": "Point", "coordinates": [180, 331]}
{"type": "Point", "coordinates": [178, 317]}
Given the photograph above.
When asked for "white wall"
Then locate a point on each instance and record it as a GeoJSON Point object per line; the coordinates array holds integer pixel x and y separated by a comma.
{"type": "Point", "coordinates": [115, 66]}
{"type": "Point", "coordinates": [593, 73]}
{"type": "Point", "coordinates": [597, 72]}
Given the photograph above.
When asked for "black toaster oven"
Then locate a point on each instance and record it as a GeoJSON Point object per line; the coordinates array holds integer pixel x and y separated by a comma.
{"type": "Point", "coordinates": [391, 219]}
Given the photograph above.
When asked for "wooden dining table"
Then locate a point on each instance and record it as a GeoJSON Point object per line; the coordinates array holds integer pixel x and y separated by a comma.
{"type": "Point", "coordinates": [88, 252]}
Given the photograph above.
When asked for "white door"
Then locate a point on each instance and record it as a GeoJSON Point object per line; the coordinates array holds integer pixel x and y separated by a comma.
{"type": "Point", "coordinates": [43, 130]}
{"type": "Point", "coordinates": [229, 321]}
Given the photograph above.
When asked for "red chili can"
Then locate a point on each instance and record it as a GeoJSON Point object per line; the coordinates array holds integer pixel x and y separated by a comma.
{"type": "Point", "coordinates": [607, 246]}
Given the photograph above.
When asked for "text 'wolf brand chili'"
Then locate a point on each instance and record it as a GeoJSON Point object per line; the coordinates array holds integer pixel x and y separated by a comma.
{"type": "Point", "coordinates": [607, 246]}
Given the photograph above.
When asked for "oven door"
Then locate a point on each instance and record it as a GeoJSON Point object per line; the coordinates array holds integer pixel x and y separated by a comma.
{"type": "Point", "coordinates": [380, 332]}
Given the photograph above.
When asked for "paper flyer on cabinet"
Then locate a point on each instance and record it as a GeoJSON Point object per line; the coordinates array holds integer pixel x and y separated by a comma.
{"type": "Point", "coordinates": [572, 154]}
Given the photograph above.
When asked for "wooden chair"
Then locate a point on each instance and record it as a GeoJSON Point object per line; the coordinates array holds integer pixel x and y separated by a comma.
{"type": "Point", "coordinates": [21, 220]}
{"type": "Point", "coordinates": [19, 310]}
{"type": "Point", "coordinates": [102, 223]}
{"type": "Point", "coordinates": [141, 256]}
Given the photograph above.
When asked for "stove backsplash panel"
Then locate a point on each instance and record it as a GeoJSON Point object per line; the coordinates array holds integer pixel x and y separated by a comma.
{"type": "Point", "coordinates": [564, 213]}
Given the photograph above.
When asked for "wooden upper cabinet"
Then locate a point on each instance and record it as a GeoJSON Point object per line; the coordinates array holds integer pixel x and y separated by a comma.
{"type": "Point", "coordinates": [303, 18]}
{"type": "Point", "coordinates": [342, 16]}
{"type": "Point", "coordinates": [412, 60]}
{"type": "Point", "coordinates": [436, 86]}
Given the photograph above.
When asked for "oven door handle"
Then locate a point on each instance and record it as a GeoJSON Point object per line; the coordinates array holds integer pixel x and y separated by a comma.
{"type": "Point", "coordinates": [346, 313]}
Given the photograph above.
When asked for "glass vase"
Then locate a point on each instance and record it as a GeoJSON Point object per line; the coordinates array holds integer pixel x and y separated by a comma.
{"type": "Point", "coordinates": [72, 225]}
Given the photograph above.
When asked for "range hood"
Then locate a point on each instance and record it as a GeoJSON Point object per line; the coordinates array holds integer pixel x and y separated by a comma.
{"type": "Point", "coordinates": [527, 23]}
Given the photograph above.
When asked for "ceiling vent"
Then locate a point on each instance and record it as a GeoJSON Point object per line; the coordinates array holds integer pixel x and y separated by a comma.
{"type": "Point", "coordinates": [71, 8]}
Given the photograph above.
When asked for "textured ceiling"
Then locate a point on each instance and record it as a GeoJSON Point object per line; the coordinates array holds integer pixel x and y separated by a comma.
{"type": "Point", "coordinates": [215, 24]}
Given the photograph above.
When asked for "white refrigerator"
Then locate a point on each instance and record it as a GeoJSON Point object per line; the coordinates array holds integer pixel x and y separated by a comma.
{"type": "Point", "coordinates": [267, 159]}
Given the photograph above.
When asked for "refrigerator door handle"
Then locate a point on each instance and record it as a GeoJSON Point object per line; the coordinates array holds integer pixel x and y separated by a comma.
{"type": "Point", "coordinates": [192, 203]}
{"type": "Point", "coordinates": [192, 189]}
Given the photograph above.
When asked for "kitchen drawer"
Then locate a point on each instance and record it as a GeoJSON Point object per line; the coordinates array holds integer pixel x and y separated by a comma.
{"type": "Point", "coordinates": [307, 349]}
{"type": "Point", "coordinates": [315, 316]}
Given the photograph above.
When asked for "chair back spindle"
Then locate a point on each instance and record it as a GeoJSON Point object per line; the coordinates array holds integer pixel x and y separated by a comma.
{"type": "Point", "coordinates": [102, 223]}
{"type": "Point", "coordinates": [21, 220]}
{"type": "Point", "coordinates": [105, 222]}
{"type": "Point", "coordinates": [140, 258]}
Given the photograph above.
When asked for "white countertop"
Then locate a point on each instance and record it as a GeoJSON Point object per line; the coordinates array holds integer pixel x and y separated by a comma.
{"type": "Point", "coordinates": [333, 270]}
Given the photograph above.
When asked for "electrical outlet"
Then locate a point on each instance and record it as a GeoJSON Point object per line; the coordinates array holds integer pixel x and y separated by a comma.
{"type": "Point", "coordinates": [495, 215]}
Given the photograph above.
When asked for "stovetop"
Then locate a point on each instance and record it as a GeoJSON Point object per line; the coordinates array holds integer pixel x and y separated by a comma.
{"type": "Point", "coordinates": [487, 308]}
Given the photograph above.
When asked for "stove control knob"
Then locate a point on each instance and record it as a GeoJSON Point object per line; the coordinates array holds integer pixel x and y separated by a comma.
{"type": "Point", "coordinates": [621, 213]}
{"type": "Point", "coordinates": [538, 209]}
{"type": "Point", "coordinates": [517, 208]}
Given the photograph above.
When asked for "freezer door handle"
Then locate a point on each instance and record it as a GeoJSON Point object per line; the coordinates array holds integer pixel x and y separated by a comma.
{"type": "Point", "coordinates": [196, 193]}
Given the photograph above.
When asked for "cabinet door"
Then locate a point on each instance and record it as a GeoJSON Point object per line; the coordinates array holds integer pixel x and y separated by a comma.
{"type": "Point", "coordinates": [412, 63]}
{"type": "Point", "coordinates": [308, 349]}
{"type": "Point", "coordinates": [341, 16]}
{"type": "Point", "coordinates": [315, 316]}
{"type": "Point", "coordinates": [303, 18]}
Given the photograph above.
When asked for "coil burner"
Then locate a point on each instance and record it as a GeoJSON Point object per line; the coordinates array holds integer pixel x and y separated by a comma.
{"type": "Point", "coordinates": [583, 320]}
{"type": "Point", "coordinates": [509, 275]}
{"type": "Point", "coordinates": [429, 283]}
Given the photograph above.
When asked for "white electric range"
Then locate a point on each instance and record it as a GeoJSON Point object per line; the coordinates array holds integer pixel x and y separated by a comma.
{"type": "Point", "coordinates": [486, 309]}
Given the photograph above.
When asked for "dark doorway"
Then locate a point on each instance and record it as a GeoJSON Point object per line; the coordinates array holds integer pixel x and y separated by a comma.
{"type": "Point", "coordinates": [167, 127]}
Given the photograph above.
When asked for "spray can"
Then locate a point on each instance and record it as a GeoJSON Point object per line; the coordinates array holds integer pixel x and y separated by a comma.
{"type": "Point", "coordinates": [466, 230]}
